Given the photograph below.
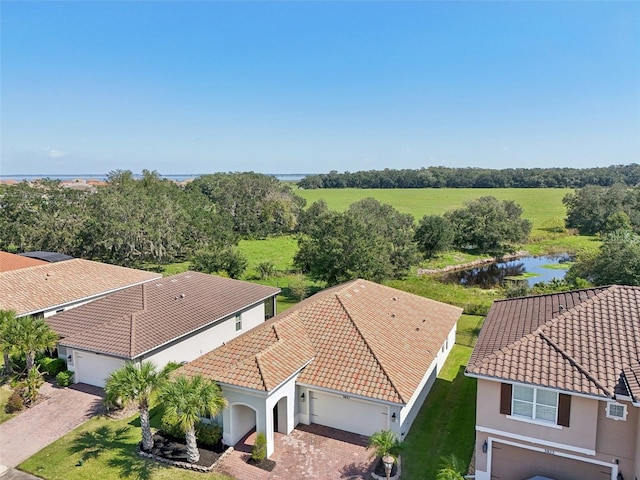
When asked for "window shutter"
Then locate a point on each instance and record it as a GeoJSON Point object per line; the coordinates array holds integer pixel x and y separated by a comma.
{"type": "Point", "coordinates": [564, 409]}
{"type": "Point", "coordinates": [505, 398]}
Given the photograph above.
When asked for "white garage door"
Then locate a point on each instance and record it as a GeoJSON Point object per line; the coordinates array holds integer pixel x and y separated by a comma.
{"type": "Point", "coordinates": [94, 369]}
{"type": "Point", "coordinates": [347, 413]}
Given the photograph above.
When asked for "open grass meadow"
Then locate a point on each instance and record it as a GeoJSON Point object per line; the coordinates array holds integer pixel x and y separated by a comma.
{"type": "Point", "coordinates": [543, 206]}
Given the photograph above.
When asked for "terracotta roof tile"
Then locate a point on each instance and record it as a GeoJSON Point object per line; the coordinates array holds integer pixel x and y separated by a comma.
{"type": "Point", "coordinates": [360, 338]}
{"type": "Point", "coordinates": [43, 287]}
{"type": "Point", "coordinates": [136, 320]}
{"type": "Point", "coordinates": [586, 347]}
{"type": "Point", "coordinates": [11, 261]}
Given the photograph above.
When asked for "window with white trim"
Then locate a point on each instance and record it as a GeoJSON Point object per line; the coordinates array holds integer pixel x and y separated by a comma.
{"type": "Point", "coordinates": [535, 403]}
{"type": "Point", "coordinates": [238, 321]}
{"type": "Point", "coordinates": [617, 411]}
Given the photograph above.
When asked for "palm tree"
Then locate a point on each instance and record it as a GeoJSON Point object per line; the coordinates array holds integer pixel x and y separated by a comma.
{"type": "Point", "coordinates": [7, 343]}
{"type": "Point", "coordinates": [32, 336]}
{"type": "Point", "coordinates": [136, 383]}
{"type": "Point", "coordinates": [188, 400]}
{"type": "Point", "coordinates": [384, 443]}
{"type": "Point", "coordinates": [450, 468]}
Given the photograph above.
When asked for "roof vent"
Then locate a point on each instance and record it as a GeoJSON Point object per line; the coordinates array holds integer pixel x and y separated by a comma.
{"type": "Point", "coordinates": [395, 299]}
{"type": "Point", "coordinates": [417, 329]}
{"type": "Point", "coordinates": [393, 315]}
{"type": "Point", "coordinates": [561, 307]}
{"type": "Point", "coordinates": [424, 320]}
{"type": "Point", "coordinates": [182, 295]}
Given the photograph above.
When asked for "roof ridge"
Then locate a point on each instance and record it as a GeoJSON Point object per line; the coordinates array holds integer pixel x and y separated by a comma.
{"type": "Point", "coordinates": [575, 363]}
{"type": "Point", "coordinates": [262, 379]}
{"type": "Point", "coordinates": [539, 295]}
{"type": "Point", "coordinates": [369, 348]}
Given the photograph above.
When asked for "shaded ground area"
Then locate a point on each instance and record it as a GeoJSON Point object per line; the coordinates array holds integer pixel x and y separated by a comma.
{"type": "Point", "coordinates": [310, 451]}
{"type": "Point", "coordinates": [35, 428]}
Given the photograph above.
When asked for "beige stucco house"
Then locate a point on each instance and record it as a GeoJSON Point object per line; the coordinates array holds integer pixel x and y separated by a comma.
{"type": "Point", "coordinates": [170, 319]}
{"type": "Point", "coordinates": [359, 357]}
{"type": "Point", "coordinates": [559, 387]}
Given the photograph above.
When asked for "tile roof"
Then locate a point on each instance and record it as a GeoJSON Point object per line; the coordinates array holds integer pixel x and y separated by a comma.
{"type": "Point", "coordinates": [587, 346]}
{"type": "Point", "coordinates": [359, 338]}
{"type": "Point", "coordinates": [11, 261]}
{"type": "Point", "coordinates": [43, 287]}
{"type": "Point", "coordinates": [139, 319]}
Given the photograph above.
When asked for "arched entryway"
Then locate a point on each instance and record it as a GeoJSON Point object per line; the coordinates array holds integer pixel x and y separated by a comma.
{"type": "Point", "coordinates": [243, 420]}
{"type": "Point", "coordinates": [280, 417]}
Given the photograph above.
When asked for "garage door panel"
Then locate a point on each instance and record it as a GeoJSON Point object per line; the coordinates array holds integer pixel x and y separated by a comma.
{"type": "Point", "coordinates": [347, 413]}
{"type": "Point", "coordinates": [513, 463]}
{"type": "Point", "coordinates": [94, 369]}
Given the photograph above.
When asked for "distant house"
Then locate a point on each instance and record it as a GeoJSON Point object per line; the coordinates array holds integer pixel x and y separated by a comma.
{"type": "Point", "coordinates": [359, 357]}
{"type": "Point", "coordinates": [559, 387]}
{"type": "Point", "coordinates": [50, 288]}
{"type": "Point", "coordinates": [176, 318]}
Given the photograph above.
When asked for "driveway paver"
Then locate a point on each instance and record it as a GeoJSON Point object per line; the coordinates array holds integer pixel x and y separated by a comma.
{"type": "Point", "coordinates": [37, 427]}
{"type": "Point", "coordinates": [310, 451]}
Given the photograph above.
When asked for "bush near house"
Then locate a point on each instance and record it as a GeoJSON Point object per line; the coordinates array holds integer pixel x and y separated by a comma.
{"type": "Point", "coordinates": [51, 366]}
{"type": "Point", "coordinates": [259, 450]}
{"type": "Point", "coordinates": [64, 379]}
{"type": "Point", "coordinates": [15, 403]}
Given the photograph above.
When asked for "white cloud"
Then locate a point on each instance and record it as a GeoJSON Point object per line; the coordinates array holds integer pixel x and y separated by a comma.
{"type": "Point", "coordinates": [51, 153]}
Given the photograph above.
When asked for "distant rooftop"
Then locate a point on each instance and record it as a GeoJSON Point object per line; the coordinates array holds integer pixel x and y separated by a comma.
{"type": "Point", "coordinates": [11, 261]}
{"type": "Point", "coordinates": [50, 257]}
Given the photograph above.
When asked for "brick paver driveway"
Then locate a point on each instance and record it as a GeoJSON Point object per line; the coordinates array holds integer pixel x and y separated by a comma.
{"type": "Point", "coordinates": [37, 427]}
{"type": "Point", "coordinates": [309, 452]}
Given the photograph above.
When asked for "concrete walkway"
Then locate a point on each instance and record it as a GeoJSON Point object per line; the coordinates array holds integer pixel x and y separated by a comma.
{"type": "Point", "coordinates": [35, 428]}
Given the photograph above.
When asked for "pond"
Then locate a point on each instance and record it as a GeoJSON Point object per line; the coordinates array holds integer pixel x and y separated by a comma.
{"type": "Point", "coordinates": [532, 269]}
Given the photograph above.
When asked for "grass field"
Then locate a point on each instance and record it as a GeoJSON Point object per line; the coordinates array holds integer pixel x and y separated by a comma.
{"type": "Point", "coordinates": [543, 206]}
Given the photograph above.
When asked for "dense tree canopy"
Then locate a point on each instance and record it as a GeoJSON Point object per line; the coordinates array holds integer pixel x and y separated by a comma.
{"type": "Point", "coordinates": [488, 224]}
{"type": "Point", "coordinates": [617, 261]}
{"type": "Point", "coordinates": [594, 209]}
{"type": "Point", "coordinates": [126, 222]}
{"type": "Point", "coordinates": [369, 240]}
{"type": "Point", "coordinates": [441, 177]}
{"type": "Point", "coordinates": [258, 204]}
{"type": "Point", "coordinates": [434, 234]}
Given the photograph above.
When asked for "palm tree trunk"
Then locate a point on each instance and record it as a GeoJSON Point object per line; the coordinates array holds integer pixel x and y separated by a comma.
{"type": "Point", "coordinates": [31, 360]}
{"type": "Point", "coordinates": [193, 454]}
{"type": "Point", "coordinates": [7, 363]}
{"type": "Point", "coordinates": [147, 437]}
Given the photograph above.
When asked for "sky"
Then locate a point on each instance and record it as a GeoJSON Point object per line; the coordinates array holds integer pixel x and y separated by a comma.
{"type": "Point", "coordinates": [308, 87]}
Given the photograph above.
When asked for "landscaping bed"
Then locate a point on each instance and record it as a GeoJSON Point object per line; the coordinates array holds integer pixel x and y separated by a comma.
{"type": "Point", "coordinates": [173, 451]}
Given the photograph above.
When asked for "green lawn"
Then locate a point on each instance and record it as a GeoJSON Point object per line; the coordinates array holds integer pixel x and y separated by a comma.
{"type": "Point", "coordinates": [446, 422]}
{"type": "Point", "coordinates": [103, 449]}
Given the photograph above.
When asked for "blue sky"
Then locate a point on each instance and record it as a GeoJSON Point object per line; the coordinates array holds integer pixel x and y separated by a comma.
{"type": "Point", "coordinates": [284, 87]}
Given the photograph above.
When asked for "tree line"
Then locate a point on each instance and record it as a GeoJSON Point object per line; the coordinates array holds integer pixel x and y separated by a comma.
{"type": "Point", "coordinates": [445, 177]}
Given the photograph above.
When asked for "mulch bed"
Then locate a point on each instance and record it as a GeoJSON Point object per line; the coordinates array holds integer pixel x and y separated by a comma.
{"type": "Point", "coordinates": [265, 464]}
{"type": "Point", "coordinates": [381, 472]}
{"type": "Point", "coordinates": [175, 449]}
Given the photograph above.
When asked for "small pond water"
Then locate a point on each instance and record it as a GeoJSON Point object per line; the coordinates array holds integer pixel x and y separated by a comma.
{"type": "Point", "coordinates": [491, 275]}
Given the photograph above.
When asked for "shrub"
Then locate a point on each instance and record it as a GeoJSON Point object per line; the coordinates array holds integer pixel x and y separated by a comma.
{"type": "Point", "coordinates": [259, 450]}
{"type": "Point", "coordinates": [171, 366]}
{"type": "Point", "coordinates": [51, 366]}
{"type": "Point", "coordinates": [170, 426]}
{"type": "Point", "coordinates": [208, 433]}
{"type": "Point", "coordinates": [265, 269]}
{"type": "Point", "coordinates": [64, 378]}
{"type": "Point", "coordinates": [15, 403]}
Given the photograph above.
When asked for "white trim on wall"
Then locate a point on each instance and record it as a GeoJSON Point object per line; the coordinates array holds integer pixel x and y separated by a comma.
{"type": "Point", "coordinates": [523, 438]}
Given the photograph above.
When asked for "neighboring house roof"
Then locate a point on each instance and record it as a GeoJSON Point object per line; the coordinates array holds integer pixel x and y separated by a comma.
{"type": "Point", "coordinates": [45, 287]}
{"type": "Point", "coordinates": [11, 261]}
{"type": "Point", "coordinates": [51, 257]}
{"type": "Point", "coordinates": [139, 319]}
{"type": "Point", "coordinates": [589, 345]}
{"type": "Point", "coordinates": [360, 338]}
